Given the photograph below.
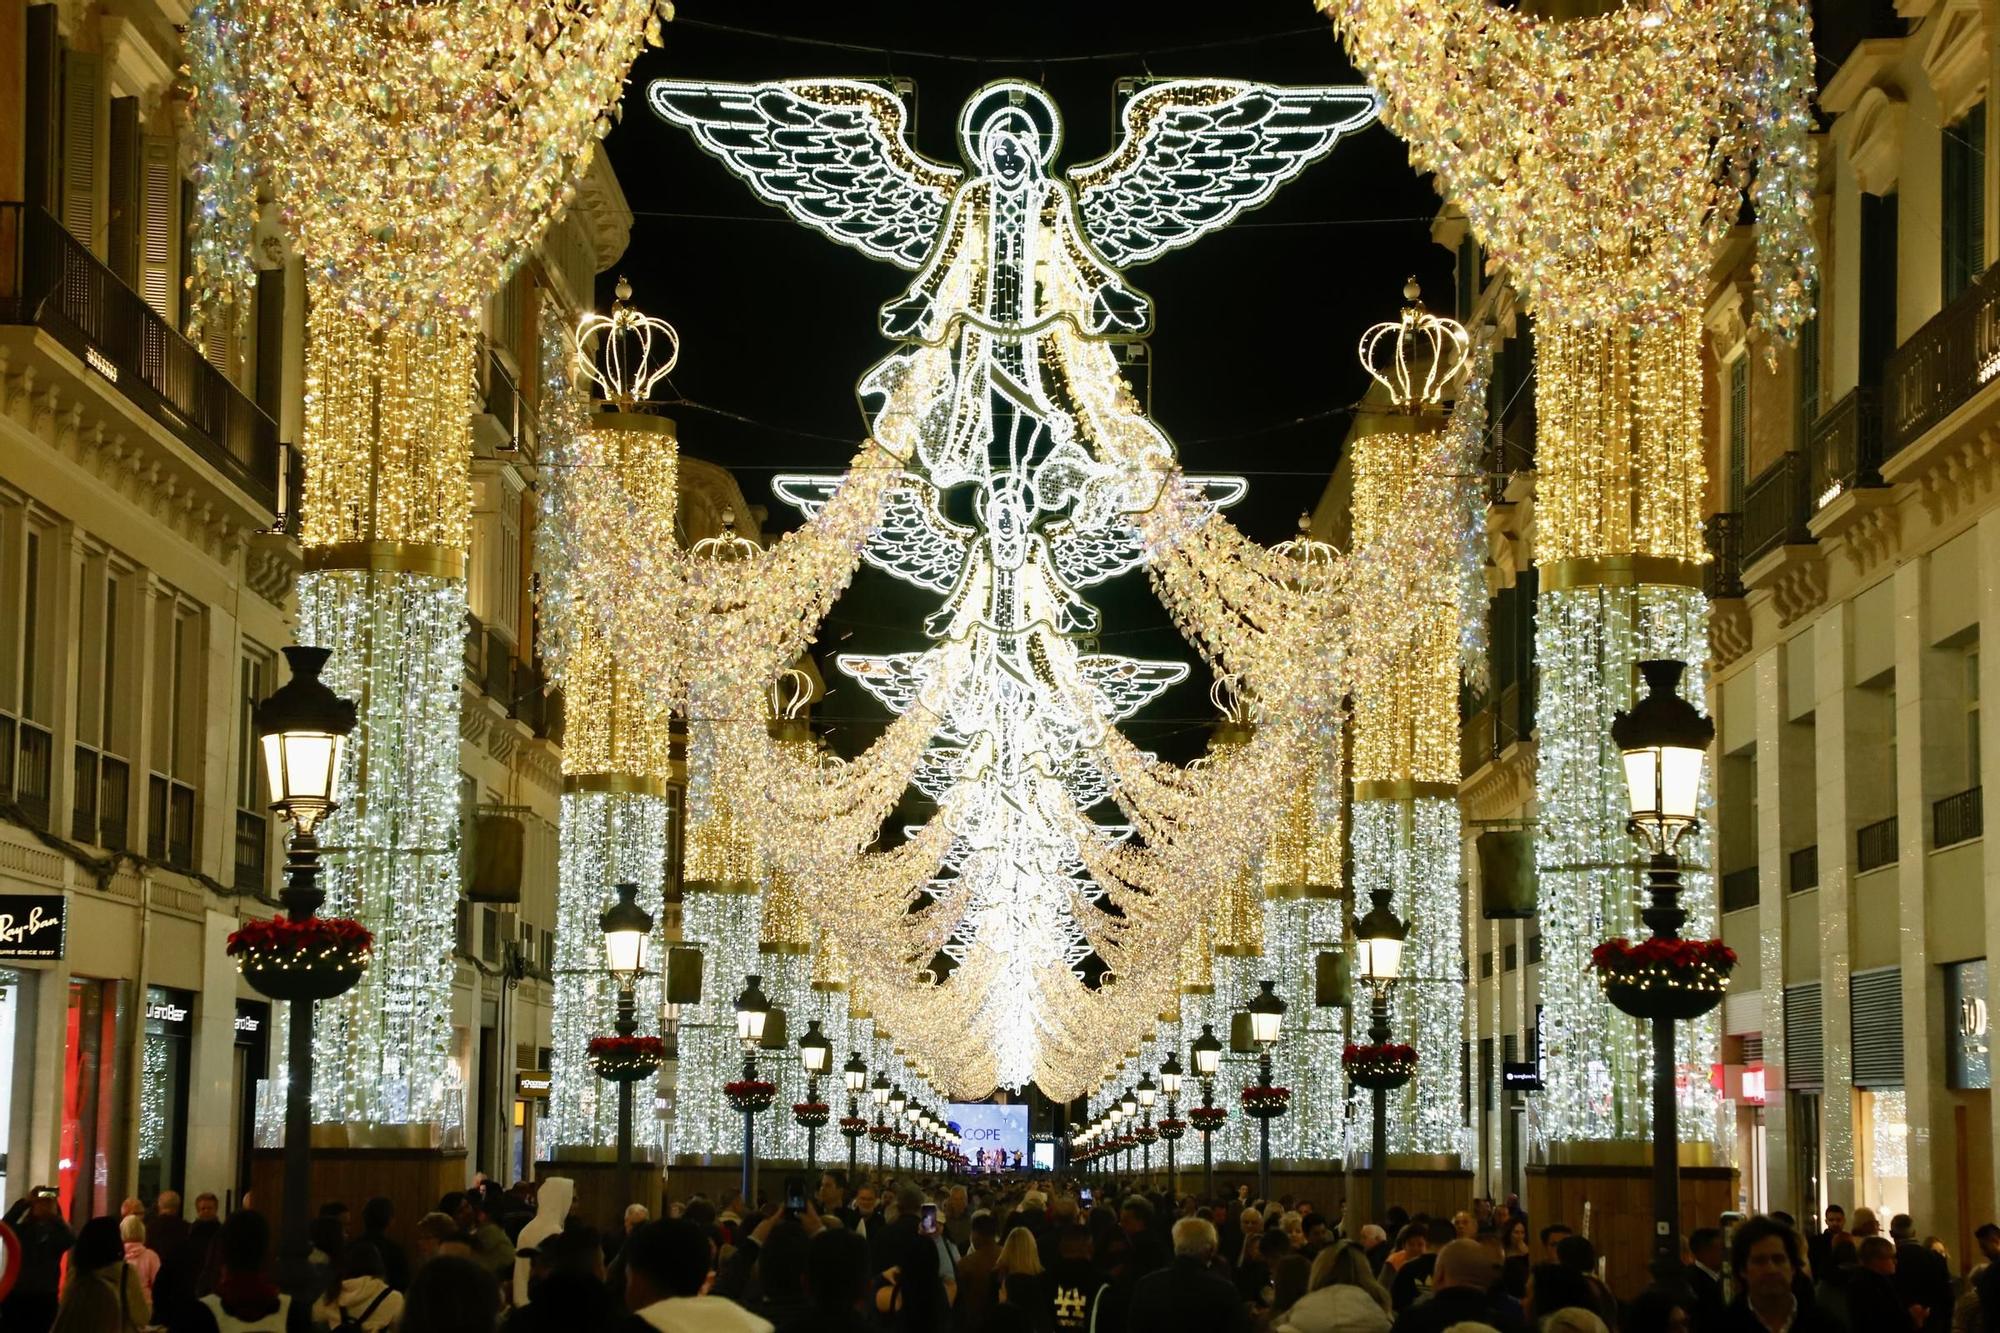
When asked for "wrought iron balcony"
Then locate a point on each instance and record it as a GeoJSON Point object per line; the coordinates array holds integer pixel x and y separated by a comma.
{"type": "Point", "coordinates": [51, 281]}
{"type": "Point", "coordinates": [1960, 817]}
{"type": "Point", "coordinates": [1777, 507]}
{"type": "Point", "coordinates": [1942, 364]}
{"type": "Point", "coordinates": [1846, 445]}
{"type": "Point", "coordinates": [1723, 534]}
{"type": "Point", "coordinates": [1875, 845]}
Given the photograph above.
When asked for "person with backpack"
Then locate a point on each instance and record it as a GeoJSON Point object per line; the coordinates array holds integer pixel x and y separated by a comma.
{"type": "Point", "coordinates": [358, 1299]}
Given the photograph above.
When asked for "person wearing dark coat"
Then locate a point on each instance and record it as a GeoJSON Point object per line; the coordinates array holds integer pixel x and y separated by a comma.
{"type": "Point", "coordinates": [1704, 1276]}
{"type": "Point", "coordinates": [1923, 1278]}
{"type": "Point", "coordinates": [1765, 1256]}
{"type": "Point", "coordinates": [1463, 1280]}
{"type": "Point", "coordinates": [1185, 1297]}
{"type": "Point", "coordinates": [45, 1239]}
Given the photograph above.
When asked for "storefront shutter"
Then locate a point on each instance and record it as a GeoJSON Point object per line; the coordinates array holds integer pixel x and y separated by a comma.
{"type": "Point", "coordinates": [85, 145]}
{"type": "Point", "coordinates": [160, 229]}
{"type": "Point", "coordinates": [1805, 1062]}
{"type": "Point", "coordinates": [1875, 1004]}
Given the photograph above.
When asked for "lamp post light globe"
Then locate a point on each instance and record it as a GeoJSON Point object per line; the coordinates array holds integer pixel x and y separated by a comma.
{"type": "Point", "coordinates": [855, 1072]}
{"type": "Point", "coordinates": [897, 1101]}
{"type": "Point", "coordinates": [1664, 742]}
{"type": "Point", "coordinates": [303, 728]}
{"type": "Point", "coordinates": [1170, 1077]}
{"type": "Point", "coordinates": [1129, 1103]}
{"type": "Point", "coordinates": [879, 1090]}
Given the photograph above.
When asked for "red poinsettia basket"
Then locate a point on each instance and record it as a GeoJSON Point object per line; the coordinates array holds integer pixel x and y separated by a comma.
{"type": "Point", "coordinates": [1266, 1103]}
{"type": "Point", "coordinates": [1207, 1119]}
{"type": "Point", "coordinates": [881, 1133]}
{"type": "Point", "coordinates": [1171, 1129]}
{"type": "Point", "coordinates": [899, 1139]}
{"type": "Point", "coordinates": [314, 959]}
{"type": "Point", "coordinates": [1661, 978]}
{"type": "Point", "coordinates": [810, 1115]}
{"type": "Point", "coordinates": [1147, 1134]}
{"type": "Point", "coordinates": [626, 1059]}
{"type": "Point", "coordinates": [853, 1126]}
{"type": "Point", "coordinates": [1387, 1064]}
{"type": "Point", "coordinates": [751, 1095]}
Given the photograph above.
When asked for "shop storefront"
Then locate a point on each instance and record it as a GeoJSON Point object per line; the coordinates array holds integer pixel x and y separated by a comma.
{"type": "Point", "coordinates": [163, 1091]}
{"type": "Point", "coordinates": [251, 1064]}
{"type": "Point", "coordinates": [94, 1089]}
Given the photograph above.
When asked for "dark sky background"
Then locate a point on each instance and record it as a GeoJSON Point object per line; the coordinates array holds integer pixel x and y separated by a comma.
{"type": "Point", "coordinates": [1255, 326]}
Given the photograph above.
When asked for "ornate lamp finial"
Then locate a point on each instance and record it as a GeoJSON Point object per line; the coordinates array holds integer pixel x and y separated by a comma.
{"type": "Point", "coordinates": [1416, 357]}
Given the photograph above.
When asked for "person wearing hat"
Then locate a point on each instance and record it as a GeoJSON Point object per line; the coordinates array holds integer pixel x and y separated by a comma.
{"type": "Point", "coordinates": [45, 1239]}
{"type": "Point", "coordinates": [1462, 1291]}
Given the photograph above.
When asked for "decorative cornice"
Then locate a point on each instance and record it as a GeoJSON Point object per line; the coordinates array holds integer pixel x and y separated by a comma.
{"type": "Point", "coordinates": [1797, 588]}
{"type": "Point", "coordinates": [1873, 134]}
{"type": "Point", "coordinates": [1729, 631]}
{"type": "Point", "coordinates": [1955, 56]}
{"type": "Point", "coordinates": [1502, 787]}
{"type": "Point", "coordinates": [1960, 475]}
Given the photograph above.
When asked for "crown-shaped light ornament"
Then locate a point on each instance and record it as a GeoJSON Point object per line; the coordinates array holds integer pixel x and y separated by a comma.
{"type": "Point", "coordinates": [1318, 561]}
{"type": "Point", "coordinates": [1417, 357]}
{"type": "Point", "coordinates": [729, 544]}
{"type": "Point", "coordinates": [624, 368]}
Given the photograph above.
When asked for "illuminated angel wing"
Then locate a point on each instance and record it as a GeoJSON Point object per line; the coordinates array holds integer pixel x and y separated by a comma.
{"type": "Point", "coordinates": [1085, 557]}
{"type": "Point", "coordinates": [831, 152]}
{"type": "Point", "coordinates": [1199, 152]}
{"type": "Point", "coordinates": [913, 540]}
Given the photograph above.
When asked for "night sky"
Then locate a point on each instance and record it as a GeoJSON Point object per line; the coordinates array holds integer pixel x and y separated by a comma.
{"type": "Point", "coordinates": [1255, 326]}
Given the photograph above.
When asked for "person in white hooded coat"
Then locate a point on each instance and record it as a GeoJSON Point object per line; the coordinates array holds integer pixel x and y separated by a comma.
{"type": "Point", "coordinates": [1342, 1296]}
{"type": "Point", "coordinates": [360, 1293]}
{"type": "Point", "coordinates": [552, 1205]}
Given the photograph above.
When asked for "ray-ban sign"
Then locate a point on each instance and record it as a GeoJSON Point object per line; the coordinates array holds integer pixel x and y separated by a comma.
{"type": "Point", "coordinates": [32, 925]}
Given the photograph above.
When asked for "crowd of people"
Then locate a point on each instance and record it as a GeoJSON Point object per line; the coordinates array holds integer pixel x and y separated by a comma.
{"type": "Point", "coordinates": [912, 1254]}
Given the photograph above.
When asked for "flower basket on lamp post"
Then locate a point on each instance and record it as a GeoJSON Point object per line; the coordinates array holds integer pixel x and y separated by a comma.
{"type": "Point", "coordinates": [811, 1115]}
{"type": "Point", "coordinates": [853, 1127]}
{"type": "Point", "coordinates": [1265, 1102]}
{"type": "Point", "coordinates": [1386, 1064]}
{"type": "Point", "coordinates": [316, 958]}
{"type": "Point", "coordinates": [1207, 1119]}
{"type": "Point", "coordinates": [1171, 1128]}
{"type": "Point", "coordinates": [750, 1096]}
{"type": "Point", "coordinates": [626, 1059]}
{"type": "Point", "coordinates": [1664, 978]}
{"type": "Point", "coordinates": [880, 1134]}
{"type": "Point", "coordinates": [1147, 1135]}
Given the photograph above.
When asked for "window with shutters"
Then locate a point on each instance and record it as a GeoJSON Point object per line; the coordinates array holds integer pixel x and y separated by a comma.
{"type": "Point", "coordinates": [259, 677]}
{"type": "Point", "coordinates": [1807, 381]}
{"type": "Point", "coordinates": [177, 737]}
{"type": "Point", "coordinates": [160, 231]}
{"type": "Point", "coordinates": [28, 575]}
{"type": "Point", "coordinates": [1875, 1010]}
{"type": "Point", "coordinates": [104, 675]}
{"type": "Point", "coordinates": [124, 192]}
{"type": "Point", "coordinates": [86, 115]}
{"type": "Point", "coordinates": [1963, 206]}
{"type": "Point", "coordinates": [1739, 429]}
{"type": "Point", "coordinates": [1879, 228]}
{"type": "Point", "coordinates": [1805, 1057]}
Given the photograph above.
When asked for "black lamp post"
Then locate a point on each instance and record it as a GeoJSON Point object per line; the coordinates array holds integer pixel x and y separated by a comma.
{"type": "Point", "coordinates": [855, 1073]}
{"type": "Point", "coordinates": [879, 1091]}
{"type": "Point", "coordinates": [1267, 1019]}
{"type": "Point", "coordinates": [1128, 1110]}
{"type": "Point", "coordinates": [303, 727]}
{"type": "Point", "coordinates": [1170, 1084]}
{"type": "Point", "coordinates": [1207, 1052]}
{"type": "Point", "coordinates": [752, 1012]}
{"type": "Point", "coordinates": [1664, 742]}
{"type": "Point", "coordinates": [815, 1054]}
{"type": "Point", "coordinates": [1378, 956]}
{"type": "Point", "coordinates": [626, 925]}
{"type": "Point", "coordinates": [1148, 1092]}
{"type": "Point", "coordinates": [897, 1101]}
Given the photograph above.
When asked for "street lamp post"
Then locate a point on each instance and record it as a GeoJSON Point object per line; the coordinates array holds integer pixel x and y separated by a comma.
{"type": "Point", "coordinates": [1378, 953]}
{"type": "Point", "coordinates": [855, 1074]}
{"type": "Point", "coordinates": [879, 1092]}
{"type": "Point", "coordinates": [1267, 1018]}
{"type": "Point", "coordinates": [1170, 1083]}
{"type": "Point", "coordinates": [1128, 1107]}
{"type": "Point", "coordinates": [910, 1116]}
{"type": "Point", "coordinates": [897, 1101]}
{"type": "Point", "coordinates": [1207, 1052]}
{"type": "Point", "coordinates": [302, 727]}
{"type": "Point", "coordinates": [1664, 742]}
{"type": "Point", "coordinates": [1148, 1092]}
{"type": "Point", "coordinates": [815, 1053]}
{"type": "Point", "coordinates": [626, 925]}
{"type": "Point", "coordinates": [752, 1012]}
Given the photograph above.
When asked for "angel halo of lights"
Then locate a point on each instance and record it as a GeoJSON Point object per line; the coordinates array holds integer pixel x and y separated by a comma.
{"type": "Point", "coordinates": [1013, 469]}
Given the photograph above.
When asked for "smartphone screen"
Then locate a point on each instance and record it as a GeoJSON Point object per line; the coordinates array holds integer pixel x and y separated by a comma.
{"type": "Point", "coordinates": [795, 1193]}
{"type": "Point", "coordinates": [927, 1223]}
{"type": "Point", "coordinates": [1084, 1197]}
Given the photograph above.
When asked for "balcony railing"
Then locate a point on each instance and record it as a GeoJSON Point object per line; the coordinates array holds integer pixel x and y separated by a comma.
{"type": "Point", "coordinates": [50, 280]}
{"type": "Point", "coordinates": [1804, 866]}
{"type": "Point", "coordinates": [1944, 363]}
{"type": "Point", "coordinates": [1958, 818]}
{"type": "Point", "coordinates": [1739, 889]}
{"type": "Point", "coordinates": [170, 822]}
{"type": "Point", "coordinates": [1723, 534]}
{"type": "Point", "coordinates": [1846, 444]}
{"type": "Point", "coordinates": [1875, 845]}
{"type": "Point", "coordinates": [1777, 507]}
{"type": "Point", "coordinates": [252, 850]}
{"type": "Point", "coordinates": [33, 774]}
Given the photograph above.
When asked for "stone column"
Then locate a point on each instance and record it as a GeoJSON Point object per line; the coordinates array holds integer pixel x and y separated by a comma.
{"type": "Point", "coordinates": [1831, 658]}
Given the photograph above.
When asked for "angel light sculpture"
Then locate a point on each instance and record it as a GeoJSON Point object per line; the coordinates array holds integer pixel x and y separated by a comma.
{"type": "Point", "coordinates": [1005, 383]}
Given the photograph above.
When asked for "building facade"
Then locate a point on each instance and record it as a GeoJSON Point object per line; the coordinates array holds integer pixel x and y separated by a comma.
{"type": "Point", "coordinates": [147, 558]}
{"type": "Point", "coordinates": [1856, 558]}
